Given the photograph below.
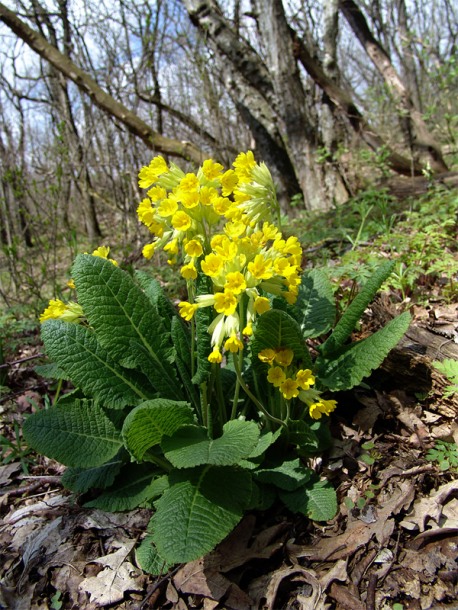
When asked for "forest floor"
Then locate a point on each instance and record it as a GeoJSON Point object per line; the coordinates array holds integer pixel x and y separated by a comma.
{"type": "Point", "coordinates": [392, 545]}
{"type": "Point", "coordinates": [393, 541]}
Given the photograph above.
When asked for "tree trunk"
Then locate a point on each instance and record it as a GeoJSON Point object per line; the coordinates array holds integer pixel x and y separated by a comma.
{"type": "Point", "coordinates": [423, 141]}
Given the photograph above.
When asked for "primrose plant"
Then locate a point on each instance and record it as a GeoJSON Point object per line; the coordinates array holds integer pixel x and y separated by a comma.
{"type": "Point", "coordinates": [210, 409]}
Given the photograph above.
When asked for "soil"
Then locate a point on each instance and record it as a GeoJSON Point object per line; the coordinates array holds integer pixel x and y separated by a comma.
{"type": "Point", "coordinates": [393, 544]}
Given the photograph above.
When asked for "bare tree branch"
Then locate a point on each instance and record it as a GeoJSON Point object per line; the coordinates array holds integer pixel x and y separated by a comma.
{"type": "Point", "coordinates": [100, 98]}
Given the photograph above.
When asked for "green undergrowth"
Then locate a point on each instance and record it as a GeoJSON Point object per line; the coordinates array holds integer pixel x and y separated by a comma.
{"type": "Point", "coordinates": [418, 234]}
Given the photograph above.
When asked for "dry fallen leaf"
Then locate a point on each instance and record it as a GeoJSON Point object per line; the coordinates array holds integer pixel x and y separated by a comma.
{"type": "Point", "coordinates": [117, 577]}
{"type": "Point", "coordinates": [429, 508]}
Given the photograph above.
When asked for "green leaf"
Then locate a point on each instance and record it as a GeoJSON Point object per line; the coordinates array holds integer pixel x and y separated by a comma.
{"type": "Point", "coordinates": [288, 475]}
{"type": "Point", "coordinates": [355, 310]}
{"type": "Point", "coordinates": [201, 507]}
{"type": "Point", "coordinates": [125, 322]}
{"type": "Point", "coordinates": [147, 424]}
{"type": "Point", "coordinates": [77, 434]}
{"type": "Point", "coordinates": [51, 371]}
{"type": "Point", "coordinates": [81, 480]}
{"type": "Point", "coordinates": [158, 299]}
{"type": "Point", "coordinates": [276, 329]}
{"type": "Point", "coordinates": [136, 486]}
{"type": "Point", "coordinates": [299, 433]}
{"type": "Point", "coordinates": [90, 367]}
{"type": "Point", "coordinates": [315, 307]}
{"type": "Point", "coordinates": [318, 502]}
{"type": "Point", "coordinates": [181, 338]}
{"type": "Point", "coordinates": [347, 367]}
{"type": "Point", "coordinates": [190, 446]}
{"type": "Point", "coordinates": [203, 318]}
{"type": "Point", "coordinates": [265, 441]}
{"type": "Point", "coordinates": [149, 559]}
{"type": "Point", "coordinates": [449, 368]}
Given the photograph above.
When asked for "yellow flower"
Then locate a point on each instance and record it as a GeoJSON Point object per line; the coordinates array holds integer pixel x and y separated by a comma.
{"type": "Point", "coordinates": [168, 207]}
{"type": "Point", "coordinates": [73, 312]}
{"type": "Point", "coordinates": [189, 183]}
{"type": "Point", "coordinates": [146, 212]}
{"type": "Point", "coordinates": [181, 221]}
{"type": "Point", "coordinates": [284, 356]}
{"type": "Point", "coordinates": [244, 163]}
{"type": "Point", "coordinates": [291, 297]}
{"type": "Point", "coordinates": [235, 282]}
{"type": "Point", "coordinates": [189, 272]}
{"type": "Point", "coordinates": [187, 310]}
{"type": "Point", "coordinates": [261, 305]}
{"type": "Point", "coordinates": [148, 250]}
{"type": "Point", "coordinates": [207, 194]}
{"type": "Point", "coordinates": [267, 355]}
{"type": "Point", "coordinates": [292, 246]}
{"type": "Point", "coordinates": [322, 407]}
{"type": "Point", "coordinates": [172, 246]}
{"type": "Point", "coordinates": [260, 268]}
{"type": "Point", "coordinates": [103, 252]}
{"type": "Point", "coordinates": [305, 378]}
{"type": "Point", "coordinates": [157, 193]}
{"type": "Point", "coordinates": [226, 248]}
{"type": "Point", "coordinates": [221, 205]}
{"type": "Point", "coordinates": [212, 265]}
{"type": "Point", "coordinates": [215, 357]}
{"type": "Point", "coordinates": [289, 388]}
{"type": "Point", "coordinates": [276, 376]}
{"type": "Point", "coordinates": [235, 229]}
{"type": "Point", "coordinates": [228, 182]}
{"type": "Point", "coordinates": [148, 175]}
{"type": "Point", "coordinates": [156, 228]}
{"type": "Point", "coordinates": [193, 248]}
{"type": "Point", "coordinates": [58, 310]}
{"type": "Point", "coordinates": [270, 231]}
{"type": "Point", "coordinates": [211, 169]}
{"type": "Point", "coordinates": [233, 344]}
{"type": "Point", "coordinates": [248, 330]}
{"type": "Point", "coordinates": [189, 199]}
{"type": "Point", "coordinates": [225, 302]}
{"type": "Point", "coordinates": [54, 310]}
{"type": "Point", "coordinates": [71, 284]}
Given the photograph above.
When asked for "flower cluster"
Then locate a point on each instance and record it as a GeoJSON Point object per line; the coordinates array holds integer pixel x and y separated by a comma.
{"type": "Point", "coordinates": [222, 224]}
{"type": "Point", "coordinates": [71, 311]}
{"type": "Point", "coordinates": [58, 310]}
{"type": "Point", "coordinates": [293, 382]}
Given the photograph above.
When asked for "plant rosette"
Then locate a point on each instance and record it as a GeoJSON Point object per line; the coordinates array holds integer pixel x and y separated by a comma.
{"type": "Point", "coordinates": [212, 408]}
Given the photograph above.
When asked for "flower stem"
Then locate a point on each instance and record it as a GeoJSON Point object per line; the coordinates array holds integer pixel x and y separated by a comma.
{"type": "Point", "coordinates": [252, 396]}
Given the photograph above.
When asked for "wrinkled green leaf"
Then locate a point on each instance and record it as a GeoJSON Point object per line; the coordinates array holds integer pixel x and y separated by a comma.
{"type": "Point", "coordinates": [318, 502]}
{"type": "Point", "coordinates": [161, 303]}
{"type": "Point", "coordinates": [203, 319]}
{"type": "Point", "coordinates": [315, 307]}
{"type": "Point", "coordinates": [190, 446]}
{"type": "Point", "coordinates": [148, 423]}
{"type": "Point", "coordinates": [135, 486]}
{"type": "Point", "coordinates": [347, 367]}
{"type": "Point", "coordinates": [276, 329]}
{"type": "Point", "coordinates": [126, 324]}
{"type": "Point", "coordinates": [288, 475]}
{"type": "Point", "coordinates": [80, 480]}
{"type": "Point", "coordinates": [355, 310]}
{"type": "Point", "coordinates": [201, 507]}
{"type": "Point", "coordinates": [90, 367]}
{"type": "Point", "coordinates": [149, 559]}
{"type": "Point", "coordinates": [181, 338]}
{"type": "Point", "coordinates": [77, 433]}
